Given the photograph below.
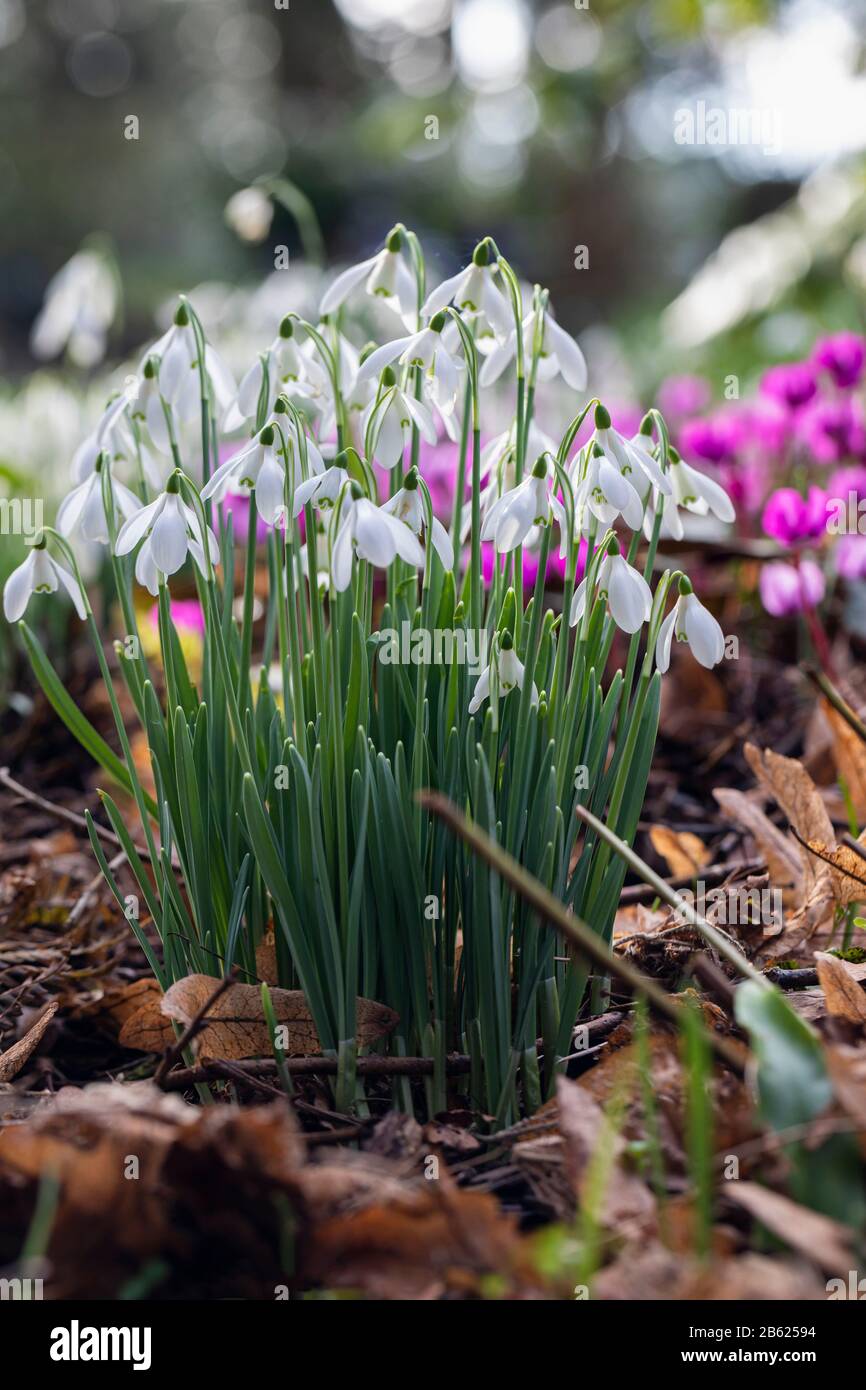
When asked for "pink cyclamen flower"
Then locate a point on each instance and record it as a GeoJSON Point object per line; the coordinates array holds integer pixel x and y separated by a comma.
{"type": "Point", "coordinates": [833, 430]}
{"type": "Point", "coordinates": [187, 615]}
{"type": "Point", "coordinates": [850, 557]}
{"type": "Point", "coordinates": [715, 439]}
{"type": "Point", "coordinates": [682, 396]}
{"type": "Point", "coordinates": [792, 383]}
{"type": "Point", "coordinates": [789, 517]}
{"type": "Point", "coordinates": [788, 589]}
{"type": "Point", "coordinates": [843, 356]}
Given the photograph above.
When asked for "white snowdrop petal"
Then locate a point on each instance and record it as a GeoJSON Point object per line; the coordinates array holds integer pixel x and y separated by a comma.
{"type": "Point", "coordinates": [19, 587]}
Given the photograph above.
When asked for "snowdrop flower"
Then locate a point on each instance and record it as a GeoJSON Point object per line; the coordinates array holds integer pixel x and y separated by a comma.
{"type": "Point", "coordinates": [83, 508]}
{"type": "Point", "coordinates": [426, 350]}
{"type": "Point", "coordinates": [632, 456]}
{"type": "Point", "coordinates": [512, 517]}
{"type": "Point", "coordinates": [106, 436]}
{"type": "Point", "coordinates": [605, 493]}
{"type": "Point", "coordinates": [696, 493]}
{"type": "Point", "coordinates": [406, 505]}
{"type": "Point", "coordinates": [322, 489]}
{"type": "Point", "coordinates": [78, 310]}
{"type": "Point", "coordinates": [387, 277]}
{"type": "Point", "coordinates": [371, 534]}
{"type": "Point", "coordinates": [177, 370]}
{"type": "Point", "coordinates": [509, 672]}
{"type": "Point", "coordinates": [255, 468]}
{"type": "Point", "coordinates": [249, 213]}
{"type": "Point", "coordinates": [39, 574]}
{"type": "Point", "coordinates": [628, 595]}
{"type": "Point", "coordinates": [473, 292]}
{"type": "Point", "coordinates": [560, 355]}
{"type": "Point", "coordinates": [694, 624]}
{"type": "Point", "coordinates": [170, 530]}
{"type": "Point", "coordinates": [392, 418]}
{"type": "Point", "coordinates": [286, 365]}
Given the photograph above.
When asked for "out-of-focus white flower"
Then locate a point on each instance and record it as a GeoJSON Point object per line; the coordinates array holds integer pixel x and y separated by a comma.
{"type": "Point", "coordinates": [510, 674]}
{"type": "Point", "coordinates": [474, 292]}
{"type": "Point", "coordinates": [83, 509]}
{"type": "Point", "coordinates": [39, 574]}
{"type": "Point", "coordinates": [512, 517]}
{"type": "Point", "coordinates": [387, 277]}
{"type": "Point", "coordinates": [78, 310]}
{"type": "Point", "coordinates": [371, 534]}
{"type": "Point", "coordinates": [393, 417]}
{"type": "Point", "coordinates": [628, 595]}
{"type": "Point", "coordinates": [560, 355]}
{"type": "Point", "coordinates": [694, 624]}
{"type": "Point", "coordinates": [249, 213]}
{"type": "Point", "coordinates": [107, 436]}
{"type": "Point", "coordinates": [170, 530]}
{"type": "Point", "coordinates": [322, 489]}
{"type": "Point", "coordinates": [406, 505]}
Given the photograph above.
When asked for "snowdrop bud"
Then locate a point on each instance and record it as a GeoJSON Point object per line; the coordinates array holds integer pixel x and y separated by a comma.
{"type": "Point", "coordinates": [646, 425]}
{"type": "Point", "coordinates": [410, 482]}
{"type": "Point", "coordinates": [506, 642]}
{"type": "Point", "coordinates": [394, 240]}
{"type": "Point", "coordinates": [602, 418]}
{"type": "Point", "coordinates": [150, 369]}
{"type": "Point", "coordinates": [267, 436]}
{"type": "Point", "coordinates": [357, 492]}
{"type": "Point", "coordinates": [438, 321]}
{"type": "Point", "coordinates": [539, 468]}
{"type": "Point", "coordinates": [287, 327]}
{"type": "Point", "coordinates": [173, 484]}
{"type": "Point", "coordinates": [389, 377]}
{"type": "Point", "coordinates": [686, 586]}
{"type": "Point", "coordinates": [181, 316]}
{"type": "Point", "coordinates": [485, 252]}
{"type": "Point", "coordinates": [365, 351]}
{"type": "Point", "coordinates": [281, 406]}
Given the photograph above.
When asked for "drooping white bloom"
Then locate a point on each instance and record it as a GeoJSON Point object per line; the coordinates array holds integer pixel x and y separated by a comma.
{"type": "Point", "coordinates": [287, 367]}
{"type": "Point", "coordinates": [510, 674]}
{"type": "Point", "coordinates": [628, 595]}
{"type": "Point", "coordinates": [106, 436]}
{"type": "Point", "coordinates": [426, 350]}
{"type": "Point", "coordinates": [511, 518]}
{"type": "Point", "coordinates": [255, 468]}
{"type": "Point", "coordinates": [39, 574]}
{"type": "Point", "coordinates": [692, 623]}
{"type": "Point", "coordinates": [387, 277]}
{"type": "Point", "coordinates": [406, 505]}
{"type": "Point", "coordinates": [322, 489]}
{"type": "Point", "coordinates": [605, 493]}
{"type": "Point", "coordinates": [78, 310]}
{"type": "Point", "coordinates": [170, 530]}
{"type": "Point", "coordinates": [174, 360]}
{"type": "Point", "coordinates": [371, 534]}
{"type": "Point", "coordinates": [560, 355]}
{"type": "Point", "coordinates": [474, 292]}
{"type": "Point", "coordinates": [249, 213]}
{"type": "Point", "coordinates": [83, 508]}
{"type": "Point", "coordinates": [392, 418]}
{"type": "Point", "coordinates": [633, 456]}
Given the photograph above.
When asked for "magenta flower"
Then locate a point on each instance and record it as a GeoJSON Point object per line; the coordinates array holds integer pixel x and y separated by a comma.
{"type": "Point", "coordinates": [683, 396]}
{"type": "Point", "coordinates": [833, 430]}
{"type": "Point", "coordinates": [555, 565]}
{"type": "Point", "coordinates": [714, 439]}
{"type": "Point", "coordinates": [850, 557]}
{"type": "Point", "coordinates": [787, 589]}
{"type": "Point", "coordinates": [792, 383]}
{"type": "Point", "coordinates": [186, 614]}
{"type": "Point", "coordinates": [842, 355]}
{"type": "Point", "coordinates": [789, 517]}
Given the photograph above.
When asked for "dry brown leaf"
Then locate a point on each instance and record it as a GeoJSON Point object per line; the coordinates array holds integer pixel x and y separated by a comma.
{"type": "Point", "coordinates": [146, 1028]}
{"type": "Point", "coordinates": [847, 1068]}
{"type": "Point", "coordinates": [266, 958]}
{"type": "Point", "coordinates": [13, 1059]}
{"type": "Point", "coordinates": [783, 858]}
{"type": "Point", "coordinates": [239, 1028]}
{"type": "Point", "coordinates": [585, 1126]}
{"type": "Point", "coordinates": [791, 786]}
{"type": "Point", "coordinates": [846, 874]}
{"type": "Point", "coordinates": [844, 994]}
{"type": "Point", "coordinates": [849, 755]}
{"type": "Point", "coordinates": [684, 853]}
{"type": "Point", "coordinates": [817, 1237]}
